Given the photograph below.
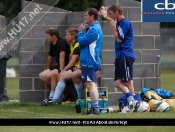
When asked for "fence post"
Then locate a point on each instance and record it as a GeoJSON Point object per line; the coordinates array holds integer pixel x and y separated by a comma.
{"type": "Point", "coordinates": [158, 68]}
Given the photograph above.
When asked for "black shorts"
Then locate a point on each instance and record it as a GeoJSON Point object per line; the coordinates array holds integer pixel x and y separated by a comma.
{"type": "Point", "coordinates": [124, 68]}
{"type": "Point", "coordinates": [54, 67]}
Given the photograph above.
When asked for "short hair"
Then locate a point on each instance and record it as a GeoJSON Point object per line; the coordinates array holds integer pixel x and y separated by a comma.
{"type": "Point", "coordinates": [92, 11]}
{"type": "Point", "coordinates": [115, 8]}
{"type": "Point", "coordinates": [73, 31]}
{"type": "Point", "coordinates": [52, 31]}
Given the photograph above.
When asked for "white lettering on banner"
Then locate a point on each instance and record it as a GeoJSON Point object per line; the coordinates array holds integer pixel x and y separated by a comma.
{"type": "Point", "coordinates": [163, 6]}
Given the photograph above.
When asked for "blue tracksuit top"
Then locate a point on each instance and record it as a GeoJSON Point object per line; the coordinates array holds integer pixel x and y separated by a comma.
{"type": "Point", "coordinates": [125, 33]}
{"type": "Point", "coordinates": [90, 44]}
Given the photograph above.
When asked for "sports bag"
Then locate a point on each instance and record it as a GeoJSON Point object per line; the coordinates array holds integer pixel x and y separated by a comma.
{"type": "Point", "coordinates": [171, 103]}
{"type": "Point", "coordinates": [123, 101]}
{"type": "Point", "coordinates": [80, 105]}
{"type": "Point", "coordinates": [152, 98]}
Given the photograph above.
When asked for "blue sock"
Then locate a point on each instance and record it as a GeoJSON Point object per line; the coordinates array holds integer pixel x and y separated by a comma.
{"type": "Point", "coordinates": [58, 91]}
{"type": "Point", "coordinates": [79, 88]}
{"type": "Point", "coordinates": [95, 105]}
{"type": "Point", "coordinates": [51, 94]}
{"type": "Point", "coordinates": [129, 97]}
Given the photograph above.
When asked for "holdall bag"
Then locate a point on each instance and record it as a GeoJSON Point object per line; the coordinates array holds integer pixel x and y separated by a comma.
{"type": "Point", "coordinates": [152, 98]}
{"type": "Point", "coordinates": [80, 105]}
{"type": "Point", "coordinates": [123, 101]}
{"type": "Point", "coordinates": [171, 103]}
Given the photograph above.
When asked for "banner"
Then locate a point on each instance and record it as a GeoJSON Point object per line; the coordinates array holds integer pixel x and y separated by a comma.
{"type": "Point", "coordinates": [158, 11]}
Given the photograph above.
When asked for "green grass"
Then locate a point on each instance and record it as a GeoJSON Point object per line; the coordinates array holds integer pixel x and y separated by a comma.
{"type": "Point", "coordinates": [13, 88]}
{"type": "Point", "coordinates": [167, 80]}
{"type": "Point", "coordinates": [26, 111]}
{"type": "Point", "coordinates": [19, 110]}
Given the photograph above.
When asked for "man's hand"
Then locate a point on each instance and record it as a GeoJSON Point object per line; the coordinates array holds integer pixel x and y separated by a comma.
{"type": "Point", "coordinates": [113, 23]}
{"type": "Point", "coordinates": [81, 27]}
{"type": "Point", "coordinates": [103, 11]}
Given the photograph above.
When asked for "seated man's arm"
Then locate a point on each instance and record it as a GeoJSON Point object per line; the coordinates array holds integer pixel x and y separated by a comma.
{"type": "Point", "coordinates": [73, 59]}
{"type": "Point", "coordinates": [49, 62]}
{"type": "Point", "coordinates": [62, 59]}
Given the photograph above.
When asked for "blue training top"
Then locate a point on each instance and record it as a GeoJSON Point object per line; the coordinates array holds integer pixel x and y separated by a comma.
{"type": "Point", "coordinates": [90, 44]}
{"type": "Point", "coordinates": [125, 33]}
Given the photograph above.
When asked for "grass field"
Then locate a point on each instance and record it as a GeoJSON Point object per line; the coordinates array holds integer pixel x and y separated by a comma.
{"type": "Point", "coordinates": [16, 110]}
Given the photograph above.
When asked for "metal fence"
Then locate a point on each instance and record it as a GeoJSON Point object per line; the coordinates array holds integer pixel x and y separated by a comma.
{"type": "Point", "coordinates": [167, 40]}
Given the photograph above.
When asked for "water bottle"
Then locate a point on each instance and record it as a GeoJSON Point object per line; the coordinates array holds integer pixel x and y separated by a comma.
{"type": "Point", "coordinates": [102, 93]}
{"type": "Point", "coordinates": [104, 111]}
{"type": "Point", "coordinates": [105, 103]}
{"type": "Point", "coordinates": [82, 105]}
{"type": "Point", "coordinates": [100, 102]}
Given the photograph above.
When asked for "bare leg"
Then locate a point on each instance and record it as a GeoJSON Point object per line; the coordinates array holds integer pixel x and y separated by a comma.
{"type": "Point", "coordinates": [54, 79]}
{"type": "Point", "coordinates": [99, 77]}
{"type": "Point", "coordinates": [45, 76]}
{"type": "Point", "coordinates": [130, 86]}
{"type": "Point", "coordinates": [92, 87]}
{"type": "Point", "coordinates": [76, 77]}
{"type": "Point", "coordinates": [119, 84]}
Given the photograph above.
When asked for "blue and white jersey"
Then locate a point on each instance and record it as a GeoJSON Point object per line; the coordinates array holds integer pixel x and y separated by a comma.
{"type": "Point", "coordinates": [125, 33]}
{"type": "Point", "coordinates": [90, 44]}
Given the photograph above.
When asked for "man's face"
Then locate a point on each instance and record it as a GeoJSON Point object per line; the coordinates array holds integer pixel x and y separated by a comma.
{"type": "Point", "coordinates": [88, 19]}
{"type": "Point", "coordinates": [69, 37]}
{"type": "Point", "coordinates": [50, 38]}
{"type": "Point", "coordinates": [113, 15]}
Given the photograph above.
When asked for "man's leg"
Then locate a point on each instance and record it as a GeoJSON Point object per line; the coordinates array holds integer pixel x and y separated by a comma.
{"type": "Point", "coordinates": [54, 81]}
{"type": "Point", "coordinates": [99, 78]}
{"type": "Point", "coordinates": [45, 76]}
{"type": "Point", "coordinates": [76, 78]}
{"type": "Point", "coordinates": [130, 86]}
{"type": "Point", "coordinates": [92, 87]}
{"type": "Point", "coordinates": [64, 75]}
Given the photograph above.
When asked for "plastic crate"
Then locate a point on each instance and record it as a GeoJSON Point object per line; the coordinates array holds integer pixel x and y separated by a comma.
{"type": "Point", "coordinates": [103, 93]}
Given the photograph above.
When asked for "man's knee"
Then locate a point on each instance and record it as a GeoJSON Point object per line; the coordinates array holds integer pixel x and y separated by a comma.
{"type": "Point", "coordinates": [128, 84]}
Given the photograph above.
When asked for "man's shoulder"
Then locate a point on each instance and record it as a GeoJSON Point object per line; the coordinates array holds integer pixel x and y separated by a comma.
{"type": "Point", "coordinates": [60, 40]}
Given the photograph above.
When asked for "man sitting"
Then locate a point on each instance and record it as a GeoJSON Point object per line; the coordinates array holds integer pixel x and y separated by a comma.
{"type": "Point", "coordinates": [66, 73]}
{"type": "Point", "coordinates": [59, 49]}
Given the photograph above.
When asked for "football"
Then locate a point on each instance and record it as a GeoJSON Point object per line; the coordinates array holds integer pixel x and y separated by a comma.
{"type": "Point", "coordinates": [143, 107]}
{"type": "Point", "coordinates": [162, 107]}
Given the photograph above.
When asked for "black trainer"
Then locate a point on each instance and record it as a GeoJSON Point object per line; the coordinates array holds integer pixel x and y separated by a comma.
{"type": "Point", "coordinates": [93, 112]}
{"type": "Point", "coordinates": [47, 102]}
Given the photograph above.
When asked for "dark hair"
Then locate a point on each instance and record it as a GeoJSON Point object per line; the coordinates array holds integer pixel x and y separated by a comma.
{"type": "Point", "coordinates": [115, 8]}
{"type": "Point", "coordinates": [52, 31]}
{"type": "Point", "coordinates": [73, 31]}
{"type": "Point", "coordinates": [92, 11]}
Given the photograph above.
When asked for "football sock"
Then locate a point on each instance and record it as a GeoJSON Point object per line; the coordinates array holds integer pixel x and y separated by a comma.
{"type": "Point", "coordinates": [79, 88]}
{"type": "Point", "coordinates": [58, 91]}
{"type": "Point", "coordinates": [95, 105]}
{"type": "Point", "coordinates": [51, 94]}
{"type": "Point", "coordinates": [129, 97]}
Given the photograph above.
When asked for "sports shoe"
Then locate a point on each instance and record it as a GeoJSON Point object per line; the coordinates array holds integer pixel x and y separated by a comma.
{"type": "Point", "coordinates": [93, 112]}
{"type": "Point", "coordinates": [125, 109]}
{"type": "Point", "coordinates": [47, 102]}
{"type": "Point", "coordinates": [133, 105]}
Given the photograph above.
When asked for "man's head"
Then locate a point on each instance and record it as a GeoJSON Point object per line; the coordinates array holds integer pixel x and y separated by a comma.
{"type": "Point", "coordinates": [91, 15]}
{"type": "Point", "coordinates": [115, 12]}
{"type": "Point", "coordinates": [71, 35]}
{"type": "Point", "coordinates": [52, 35]}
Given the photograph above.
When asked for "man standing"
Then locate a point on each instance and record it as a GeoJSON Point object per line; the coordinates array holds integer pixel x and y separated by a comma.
{"type": "Point", "coordinates": [90, 44]}
{"type": "Point", "coordinates": [124, 53]}
{"type": "Point", "coordinates": [59, 49]}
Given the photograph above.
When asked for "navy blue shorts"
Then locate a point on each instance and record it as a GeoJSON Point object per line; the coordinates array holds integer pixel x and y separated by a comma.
{"type": "Point", "coordinates": [88, 74]}
{"type": "Point", "coordinates": [124, 68]}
